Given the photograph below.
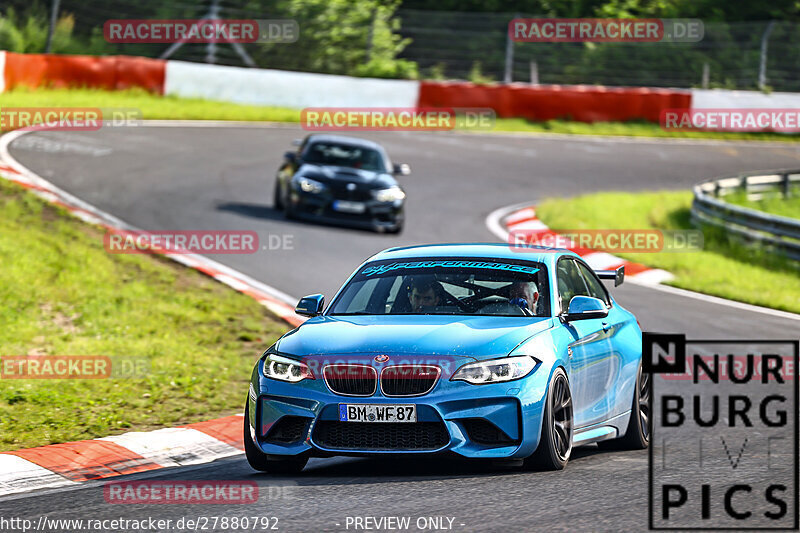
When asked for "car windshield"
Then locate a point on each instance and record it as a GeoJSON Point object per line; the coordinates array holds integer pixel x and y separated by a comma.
{"type": "Point", "coordinates": [344, 155]}
{"type": "Point", "coordinates": [446, 287]}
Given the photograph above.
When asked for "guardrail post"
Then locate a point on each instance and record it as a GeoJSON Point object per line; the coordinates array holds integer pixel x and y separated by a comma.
{"type": "Point", "coordinates": [777, 234]}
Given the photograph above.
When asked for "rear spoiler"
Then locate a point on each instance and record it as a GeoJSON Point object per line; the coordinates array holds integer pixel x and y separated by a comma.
{"type": "Point", "coordinates": [617, 275]}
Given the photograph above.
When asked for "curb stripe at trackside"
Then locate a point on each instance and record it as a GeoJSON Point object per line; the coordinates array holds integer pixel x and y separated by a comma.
{"type": "Point", "coordinates": [87, 459]}
{"type": "Point", "coordinates": [651, 278]}
{"type": "Point", "coordinates": [59, 464]}
{"type": "Point", "coordinates": [227, 430]}
{"type": "Point", "coordinates": [174, 446]}
{"type": "Point", "coordinates": [524, 219]}
{"type": "Point", "coordinates": [18, 474]}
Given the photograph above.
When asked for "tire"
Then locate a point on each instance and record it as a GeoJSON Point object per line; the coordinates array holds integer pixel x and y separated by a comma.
{"type": "Point", "coordinates": [637, 434]}
{"type": "Point", "coordinates": [555, 444]}
{"type": "Point", "coordinates": [262, 462]}
{"type": "Point", "coordinates": [277, 202]}
{"type": "Point", "coordinates": [288, 212]}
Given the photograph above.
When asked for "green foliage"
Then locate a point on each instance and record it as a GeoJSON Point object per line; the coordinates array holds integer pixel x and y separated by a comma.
{"type": "Point", "coordinates": [340, 37]}
{"type": "Point", "coordinates": [28, 34]}
{"type": "Point", "coordinates": [436, 72]}
{"type": "Point", "coordinates": [708, 10]}
{"type": "Point", "coordinates": [388, 68]}
{"type": "Point", "coordinates": [476, 76]}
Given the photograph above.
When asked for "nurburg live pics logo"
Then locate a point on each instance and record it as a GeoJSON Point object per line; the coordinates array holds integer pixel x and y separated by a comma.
{"type": "Point", "coordinates": [724, 433]}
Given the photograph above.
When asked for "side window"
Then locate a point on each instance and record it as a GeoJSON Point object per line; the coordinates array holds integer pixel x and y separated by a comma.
{"type": "Point", "coordinates": [595, 286]}
{"type": "Point", "coordinates": [570, 282]}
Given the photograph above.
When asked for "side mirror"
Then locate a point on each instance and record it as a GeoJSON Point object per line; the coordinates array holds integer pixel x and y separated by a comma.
{"type": "Point", "coordinates": [310, 305]}
{"type": "Point", "coordinates": [402, 169]}
{"type": "Point", "coordinates": [617, 275]}
{"type": "Point", "coordinates": [586, 307]}
{"type": "Point", "coordinates": [291, 157]}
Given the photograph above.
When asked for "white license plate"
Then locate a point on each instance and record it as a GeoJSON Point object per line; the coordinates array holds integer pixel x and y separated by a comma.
{"type": "Point", "coordinates": [350, 412]}
{"type": "Point", "coordinates": [349, 207]}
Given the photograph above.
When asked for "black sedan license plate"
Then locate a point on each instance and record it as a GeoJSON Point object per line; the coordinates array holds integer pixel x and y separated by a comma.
{"type": "Point", "coordinates": [349, 412]}
{"type": "Point", "coordinates": [349, 207]}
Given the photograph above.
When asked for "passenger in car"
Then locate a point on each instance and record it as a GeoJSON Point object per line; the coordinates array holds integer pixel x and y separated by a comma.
{"type": "Point", "coordinates": [524, 294]}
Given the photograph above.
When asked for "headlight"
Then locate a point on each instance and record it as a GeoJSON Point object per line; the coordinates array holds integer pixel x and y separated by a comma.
{"type": "Point", "coordinates": [391, 194]}
{"type": "Point", "coordinates": [496, 370]}
{"type": "Point", "coordinates": [285, 369]}
{"type": "Point", "coordinates": [308, 185]}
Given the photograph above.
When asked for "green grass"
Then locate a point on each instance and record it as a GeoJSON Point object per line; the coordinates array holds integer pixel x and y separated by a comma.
{"type": "Point", "coordinates": [721, 268]}
{"type": "Point", "coordinates": [785, 207]}
{"type": "Point", "coordinates": [168, 107]}
{"type": "Point", "coordinates": [62, 294]}
{"type": "Point", "coordinates": [152, 106]}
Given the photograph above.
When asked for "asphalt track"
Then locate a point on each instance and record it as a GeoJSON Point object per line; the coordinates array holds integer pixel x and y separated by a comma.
{"type": "Point", "coordinates": [208, 178]}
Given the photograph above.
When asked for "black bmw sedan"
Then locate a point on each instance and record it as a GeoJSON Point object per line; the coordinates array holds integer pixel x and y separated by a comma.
{"type": "Point", "coordinates": [341, 180]}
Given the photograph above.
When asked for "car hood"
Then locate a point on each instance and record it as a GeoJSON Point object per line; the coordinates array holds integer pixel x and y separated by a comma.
{"type": "Point", "coordinates": [327, 174]}
{"type": "Point", "coordinates": [478, 337]}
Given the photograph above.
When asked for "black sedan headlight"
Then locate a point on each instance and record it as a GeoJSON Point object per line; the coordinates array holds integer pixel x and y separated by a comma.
{"type": "Point", "coordinates": [392, 194]}
{"type": "Point", "coordinates": [308, 185]}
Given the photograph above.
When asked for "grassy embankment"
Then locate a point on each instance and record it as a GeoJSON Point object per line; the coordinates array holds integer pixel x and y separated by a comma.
{"type": "Point", "coordinates": [63, 294]}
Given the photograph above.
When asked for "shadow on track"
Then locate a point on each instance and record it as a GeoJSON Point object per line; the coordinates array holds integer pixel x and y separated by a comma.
{"type": "Point", "coordinates": [371, 470]}
{"type": "Point", "coordinates": [260, 211]}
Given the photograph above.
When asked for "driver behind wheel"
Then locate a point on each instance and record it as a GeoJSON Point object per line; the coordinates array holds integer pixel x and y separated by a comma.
{"type": "Point", "coordinates": [425, 292]}
{"type": "Point", "coordinates": [524, 295]}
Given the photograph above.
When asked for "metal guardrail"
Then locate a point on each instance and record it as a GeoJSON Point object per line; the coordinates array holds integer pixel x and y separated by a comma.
{"type": "Point", "coordinates": [781, 234]}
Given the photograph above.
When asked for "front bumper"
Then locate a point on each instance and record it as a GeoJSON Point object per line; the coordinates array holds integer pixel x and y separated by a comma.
{"type": "Point", "coordinates": [500, 420]}
{"type": "Point", "coordinates": [320, 207]}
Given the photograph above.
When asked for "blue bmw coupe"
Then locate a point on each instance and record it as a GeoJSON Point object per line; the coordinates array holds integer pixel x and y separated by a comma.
{"type": "Point", "coordinates": [478, 350]}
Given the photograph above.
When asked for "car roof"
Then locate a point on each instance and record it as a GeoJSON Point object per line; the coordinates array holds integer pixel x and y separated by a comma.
{"type": "Point", "coordinates": [343, 139]}
{"type": "Point", "coordinates": [505, 251]}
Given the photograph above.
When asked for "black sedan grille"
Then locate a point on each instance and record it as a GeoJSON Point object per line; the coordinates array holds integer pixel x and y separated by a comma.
{"type": "Point", "coordinates": [385, 436]}
{"type": "Point", "coordinates": [409, 380]}
{"type": "Point", "coordinates": [351, 380]}
{"type": "Point", "coordinates": [340, 191]}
